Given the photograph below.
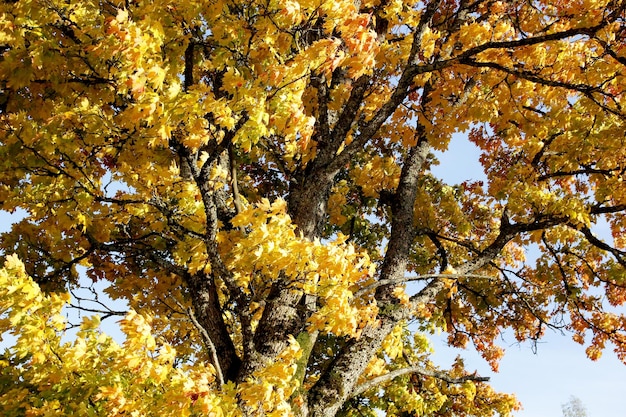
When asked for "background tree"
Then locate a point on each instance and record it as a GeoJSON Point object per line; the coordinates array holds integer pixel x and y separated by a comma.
{"type": "Point", "coordinates": [253, 179]}
{"type": "Point", "coordinates": [574, 408]}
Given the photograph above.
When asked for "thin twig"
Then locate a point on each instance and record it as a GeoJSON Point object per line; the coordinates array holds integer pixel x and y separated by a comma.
{"type": "Point", "coordinates": [207, 341]}
{"type": "Point", "coordinates": [403, 280]}
{"type": "Point", "coordinates": [415, 370]}
{"type": "Point", "coordinates": [107, 313]}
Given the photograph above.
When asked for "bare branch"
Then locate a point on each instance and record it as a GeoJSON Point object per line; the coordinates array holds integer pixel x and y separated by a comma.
{"type": "Point", "coordinates": [598, 209]}
{"type": "Point", "coordinates": [207, 340]}
{"type": "Point", "coordinates": [415, 370]}
{"type": "Point", "coordinates": [422, 277]}
{"type": "Point", "coordinates": [619, 255]}
{"type": "Point", "coordinates": [105, 313]}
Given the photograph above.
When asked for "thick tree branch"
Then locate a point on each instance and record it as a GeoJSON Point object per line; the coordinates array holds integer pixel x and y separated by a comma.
{"type": "Point", "coordinates": [208, 314]}
{"type": "Point", "coordinates": [336, 384]}
{"type": "Point", "coordinates": [280, 318]}
{"type": "Point", "coordinates": [189, 65]}
{"type": "Point", "coordinates": [600, 209]}
{"type": "Point", "coordinates": [585, 89]}
{"type": "Point", "coordinates": [347, 118]}
{"type": "Point", "coordinates": [322, 122]}
{"type": "Point", "coordinates": [619, 255]}
{"type": "Point", "coordinates": [233, 180]}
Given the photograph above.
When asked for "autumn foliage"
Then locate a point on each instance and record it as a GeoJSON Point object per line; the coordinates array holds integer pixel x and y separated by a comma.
{"type": "Point", "coordinates": [252, 181]}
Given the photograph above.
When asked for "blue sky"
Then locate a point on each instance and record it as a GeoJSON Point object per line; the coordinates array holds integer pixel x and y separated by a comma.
{"type": "Point", "coordinates": [559, 369]}
{"type": "Point", "coordinates": [547, 379]}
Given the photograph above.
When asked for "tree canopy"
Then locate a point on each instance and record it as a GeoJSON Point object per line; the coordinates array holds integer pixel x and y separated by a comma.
{"type": "Point", "coordinates": [574, 408]}
{"type": "Point", "coordinates": [253, 179]}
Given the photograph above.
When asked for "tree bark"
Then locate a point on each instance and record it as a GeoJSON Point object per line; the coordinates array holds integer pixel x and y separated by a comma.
{"type": "Point", "coordinates": [208, 312]}
{"type": "Point", "coordinates": [336, 384]}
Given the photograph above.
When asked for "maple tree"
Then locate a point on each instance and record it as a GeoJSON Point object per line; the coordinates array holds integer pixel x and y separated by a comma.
{"type": "Point", "coordinates": [253, 179]}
